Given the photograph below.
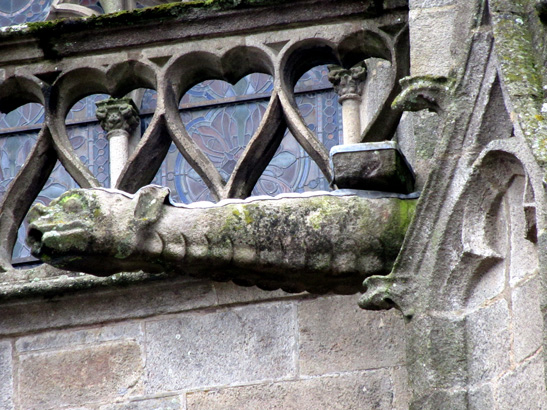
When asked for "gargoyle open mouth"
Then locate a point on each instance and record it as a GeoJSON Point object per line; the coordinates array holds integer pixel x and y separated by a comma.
{"type": "Point", "coordinates": [34, 240]}
{"type": "Point", "coordinates": [56, 238]}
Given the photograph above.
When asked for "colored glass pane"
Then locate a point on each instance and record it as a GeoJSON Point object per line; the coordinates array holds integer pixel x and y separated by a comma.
{"type": "Point", "coordinates": [13, 12]}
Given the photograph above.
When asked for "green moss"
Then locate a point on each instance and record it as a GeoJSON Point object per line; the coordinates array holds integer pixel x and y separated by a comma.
{"type": "Point", "coordinates": [522, 76]}
{"type": "Point", "coordinates": [239, 217]}
{"type": "Point", "coordinates": [407, 209]}
{"type": "Point", "coordinates": [324, 208]}
{"type": "Point", "coordinates": [72, 195]}
{"type": "Point", "coordinates": [393, 235]}
{"type": "Point", "coordinates": [131, 17]}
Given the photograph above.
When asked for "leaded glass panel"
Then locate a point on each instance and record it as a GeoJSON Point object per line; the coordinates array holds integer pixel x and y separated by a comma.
{"type": "Point", "coordinates": [14, 12]}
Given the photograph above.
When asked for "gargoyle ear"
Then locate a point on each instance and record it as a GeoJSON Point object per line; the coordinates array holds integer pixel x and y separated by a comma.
{"type": "Point", "coordinates": [150, 200]}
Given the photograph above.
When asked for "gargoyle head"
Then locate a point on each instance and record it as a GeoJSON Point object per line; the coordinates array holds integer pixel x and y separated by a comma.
{"type": "Point", "coordinates": [112, 230]}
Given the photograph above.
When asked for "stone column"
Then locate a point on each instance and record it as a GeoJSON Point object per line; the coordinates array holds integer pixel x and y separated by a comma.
{"type": "Point", "coordinates": [119, 117]}
{"type": "Point", "coordinates": [113, 6]}
{"type": "Point", "coordinates": [349, 85]}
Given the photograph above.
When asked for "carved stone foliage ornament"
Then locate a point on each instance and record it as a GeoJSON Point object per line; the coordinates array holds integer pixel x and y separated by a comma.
{"type": "Point", "coordinates": [118, 114]}
{"type": "Point", "coordinates": [348, 83]}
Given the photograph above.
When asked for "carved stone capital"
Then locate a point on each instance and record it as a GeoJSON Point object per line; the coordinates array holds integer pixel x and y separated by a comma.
{"type": "Point", "coordinates": [117, 114]}
{"type": "Point", "coordinates": [348, 83]}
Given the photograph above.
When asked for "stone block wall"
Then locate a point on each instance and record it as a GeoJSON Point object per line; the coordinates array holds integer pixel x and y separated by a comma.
{"type": "Point", "coordinates": [187, 344]}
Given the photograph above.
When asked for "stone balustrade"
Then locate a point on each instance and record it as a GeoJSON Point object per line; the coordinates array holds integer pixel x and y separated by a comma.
{"type": "Point", "coordinates": [169, 49]}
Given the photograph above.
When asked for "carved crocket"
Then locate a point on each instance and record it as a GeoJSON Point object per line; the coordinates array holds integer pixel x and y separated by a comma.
{"type": "Point", "coordinates": [319, 243]}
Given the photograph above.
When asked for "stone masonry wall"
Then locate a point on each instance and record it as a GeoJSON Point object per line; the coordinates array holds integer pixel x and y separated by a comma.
{"type": "Point", "coordinates": [198, 345]}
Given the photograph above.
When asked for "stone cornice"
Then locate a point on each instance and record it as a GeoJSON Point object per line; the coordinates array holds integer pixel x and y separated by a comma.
{"type": "Point", "coordinates": [175, 22]}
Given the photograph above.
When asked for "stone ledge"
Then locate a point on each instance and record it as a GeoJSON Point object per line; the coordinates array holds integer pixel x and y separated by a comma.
{"type": "Point", "coordinates": [47, 281]}
{"type": "Point", "coordinates": [56, 39]}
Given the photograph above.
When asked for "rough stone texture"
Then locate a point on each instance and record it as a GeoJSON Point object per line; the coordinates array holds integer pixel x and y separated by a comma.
{"type": "Point", "coordinates": [164, 403]}
{"type": "Point", "coordinates": [337, 336]}
{"type": "Point", "coordinates": [401, 392]}
{"type": "Point", "coordinates": [65, 338]}
{"type": "Point", "coordinates": [240, 345]}
{"type": "Point", "coordinates": [364, 390]}
{"type": "Point", "coordinates": [524, 257]}
{"type": "Point", "coordinates": [74, 377]}
{"type": "Point", "coordinates": [488, 342]}
{"type": "Point", "coordinates": [420, 149]}
{"type": "Point", "coordinates": [253, 242]}
{"type": "Point", "coordinates": [229, 293]}
{"type": "Point", "coordinates": [430, 39]}
{"type": "Point", "coordinates": [490, 285]}
{"type": "Point", "coordinates": [523, 388]}
{"type": "Point", "coordinates": [441, 399]}
{"type": "Point", "coordinates": [527, 319]}
{"type": "Point", "coordinates": [372, 166]}
{"type": "Point", "coordinates": [482, 398]}
{"type": "Point", "coordinates": [439, 340]}
{"type": "Point", "coordinates": [101, 306]}
{"type": "Point", "coordinates": [417, 4]}
{"type": "Point", "coordinates": [6, 376]}
{"type": "Point", "coordinates": [379, 72]}
{"type": "Point", "coordinates": [349, 85]}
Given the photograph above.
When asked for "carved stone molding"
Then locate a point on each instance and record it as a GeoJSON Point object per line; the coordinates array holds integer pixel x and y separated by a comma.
{"type": "Point", "coordinates": [476, 216]}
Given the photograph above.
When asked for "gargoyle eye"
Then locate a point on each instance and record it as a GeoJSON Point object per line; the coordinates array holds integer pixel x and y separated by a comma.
{"type": "Point", "coordinates": [72, 205]}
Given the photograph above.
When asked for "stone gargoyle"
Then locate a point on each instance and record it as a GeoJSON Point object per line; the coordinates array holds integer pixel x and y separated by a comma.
{"type": "Point", "coordinates": [319, 242]}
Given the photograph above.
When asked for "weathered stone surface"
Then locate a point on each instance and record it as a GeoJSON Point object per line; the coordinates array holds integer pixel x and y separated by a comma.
{"type": "Point", "coordinates": [336, 336]}
{"type": "Point", "coordinates": [229, 293]}
{"type": "Point", "coordinates": [101, 306]}
{"type": "Point", "coordinates": [401, 391]}
{"type": "Point", "coordinates": [431, 34]}
{"type": "Point", "coordinates": [253, 242]}
{"type": "Point", "coordinates": [524, 257]}
{"type": "Point", "coordinates": [422, 4]}
{"type": "Point", "coordinates": [63, 338]}
{"type": "Point", "coordinates": [490, 285]}
{"type": "Point", "coordinates": [420, 149]}
{"type": "Point", "coordinates": [364, 390]}
{"type": "Point", "coordinates": [438, 341]}
{"type": "Point", "coordinates": [377, 166]}
{"type": "Point", "coordinates": [349, 85]}
{"type": "Point", "coordinates": [488, 342]}
{"type": "Point", "coordinates": [441, 399]}
{"type": "Point", "coordinates": [6, 376]}
{"type": "Point", "coordinates": [240, 345]}
{"type": "Point", "coordinates": [527, 319]}
{"type": "Point", "coordinates": [103, 372]}
{"type": "Point", "coordinates": [481, 398]}
{"type": "Point", "coordinates": [117, 114]}
{"type": "Point", "coordinates": [164, 403]}
{"type": "Point", "coordinates": [523, 388]}
{"type": "Point", "coordinates": [375, 92]}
